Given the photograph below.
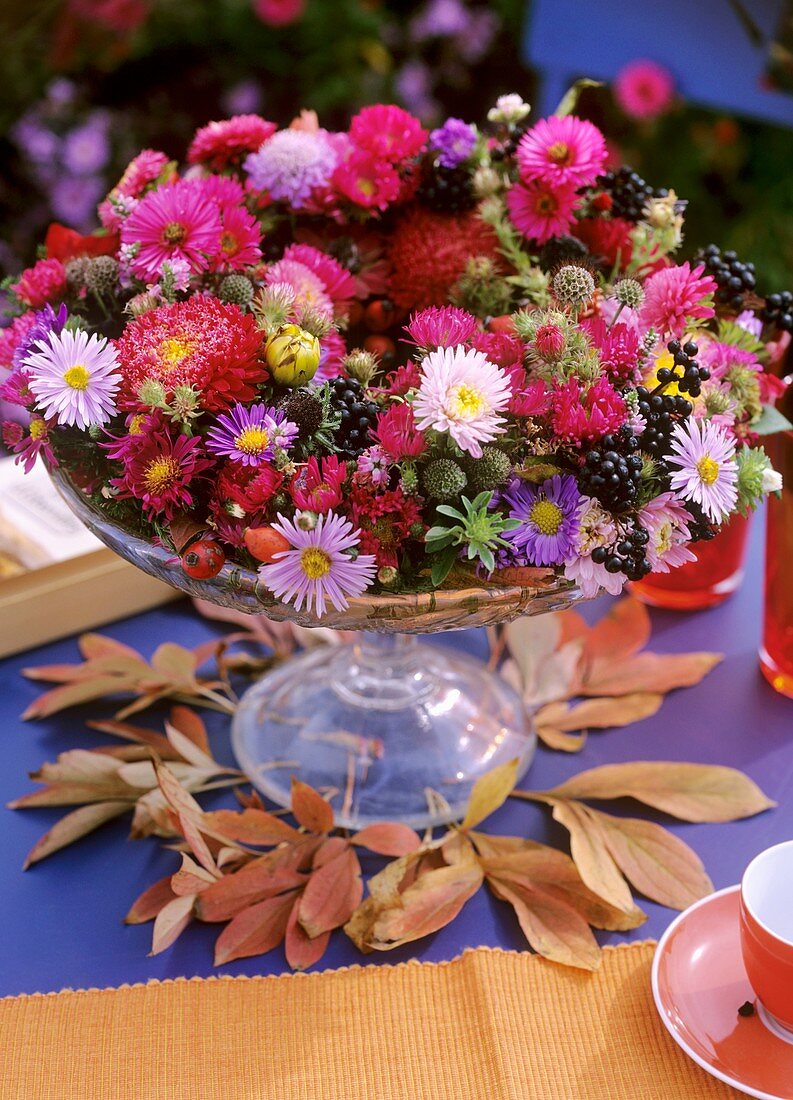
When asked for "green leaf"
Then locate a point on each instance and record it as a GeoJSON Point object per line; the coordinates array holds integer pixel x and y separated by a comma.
{"type": "Point", "coordinates": [738, 337]}
{"type": "Point", "coordinates": [771, 420]}
{"type": "Point", "coordinates": [569, 100]}
{"type": "Point", "coordinates": [442, 566]}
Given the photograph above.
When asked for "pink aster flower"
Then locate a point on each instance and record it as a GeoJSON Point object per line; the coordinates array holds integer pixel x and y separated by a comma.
{"type": "Point", "coordinates": [618, 347]}
{"type": "Point", "coordinates": [42, 283]}
{"type": "Point", "coordinates": [644, 89]}
{"type": "Point", "coordinates": [501, 348]}
{"type": "Point", "coordinates": [332, 350]}
{"type": "Point", "coordinates": [308, 288]}
{"type": "Point", "coordinates": [666, 522]}
{"type": "Point", "coordinates": [528, 398]}
{"type": "Point", "coordinates": [719, 358]}
{"type": "Point", "coordinates": [595, 529]}
{"type": "Point", "coordinates": [319, 566]}
{"type": "Point", "coordinates": [674, 296]}
{"type": "Point", "coordinates": [339, 283]}
{"type": "Point", "coordinates": [291, 164]}
{"type": "Point", "coordinates": [540, 211]}
{"type": "Point", "coordinates": [15, 337]}
{"type": "Point", "coordinates": [74, 377]}
{"type": "Point", "coordinates": [584, 415]}
{"type": "Point", "coordinates": [462, 392]}
{"type": "Point", "coordinates": [177, 220]}
{"type": "Point", "coordinates": [444, 327]}
{"type": "Point", "coordinates": [279, 13]}
{"type": "Point", "coordinates": [397, 433]}
{"type": "Point", "coordinates": [367, 180]}
{"type": "Point", "coordinates": [557, 151]}
{"type": "Point", "coordinates": [704, 467]}
{"type": "Point", "coordinates": [29, 441]}
{"type": "Point", "coordinates": [220, 144]}
{"type": "Point", "coordinates": [319, 487]}
{"type": "Point", "coordinates": [389, 132]}
{"type": "Point", "coordinates": [159, 468]}
{"type": "Point", "coordinates": [373, 467]}
{"type": "Point", "coordinates": [239, 240]}
{"type": "Point", "coordinates": [148, 167]}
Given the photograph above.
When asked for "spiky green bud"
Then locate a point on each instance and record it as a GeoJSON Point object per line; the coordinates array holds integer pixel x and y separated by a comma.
{"type": "Point", "coordinates": [443, 479]}
{"type": "Point", "coordinates": [480, 289]}
{"type": "Point", "coordinates": [361, 365]}
{"type": "Point", "coordinates": [236, 290]}
{"type": "Point", "coordinates": [151, 392]}
{"type": "Point", "coordinates": [489, 471]}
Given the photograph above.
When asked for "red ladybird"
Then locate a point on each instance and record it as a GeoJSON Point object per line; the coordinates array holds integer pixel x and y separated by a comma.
{"type": "Point", "coordinates": [203, 559]}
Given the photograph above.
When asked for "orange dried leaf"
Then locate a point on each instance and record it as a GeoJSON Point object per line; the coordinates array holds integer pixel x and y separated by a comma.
{"type": "Point", "coordinates": [191, 878]}
{"type": "Point", "coordinates": [489, 792]}
{"type": "Point", "coordinates": [388, 839]}
{"type": "Point", "coordinates": [189, 812]}
{"type": "Point", "coordinates": [654, 672]}
{"type": "Point", "coordinates": [191, 725]}
{"type": "Point", "coordinates": [555, 930]}
{"type": "Point", "coordinates": [170, 922]}
{"type": "Point", "coordinates": [432, 902]}
{"type": "Point", "coordinates": [73, 826]}
{"type": "Point", "coordinates": [591, 855]}
{"type": "Point", "coordinates": [623, 631]}
{"type": "Point", "coordinates": [310, 808]}
{"type": "Point", "coordinates": [302, 951]}
{"type": "Point", "coordinates": [562, 742]}
{"type": "Point", "coordinates": [150, 902]}
{"type": "Point", "coordinates": [254, 931]}
{"type": "Point", "coordinates": [599, 713]}
{"type": "Point", "coordinates": [176, 663]}
{"type": "Point", "coordinates": [332, 894]}
{"type": "Point", "coordinates": [70, 695]}
{"type": "Point", "coordinates": [251, 826]}
{"type": "Point", "coordinates": [92, 646]}
{"type": "Point", "coordinates": [137, 734]}
{"type": "Point", "coordinates": [264, 877]}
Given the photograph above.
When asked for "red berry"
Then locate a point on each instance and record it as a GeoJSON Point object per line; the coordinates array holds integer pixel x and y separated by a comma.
{"type": "Point", "coordinates": [355, 313]}
{"type": "Point", "coordinates": [380, 315]}
{"type": "Point", "coordinates": [383, 347]}
{"type": "Point", "coordinates": [502, 324]}
{"type": "Point", "coordinates": [602, 202]}
{"type": "Point", "coordinates": [265, 542]}
{"type": "Point", "coordinates": [203, 560]}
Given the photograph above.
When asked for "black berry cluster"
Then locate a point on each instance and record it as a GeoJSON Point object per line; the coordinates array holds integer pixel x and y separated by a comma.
{"type": "Point", "coordinates": [612, 471]}
{"type": "Point", "coordinates": [733, 277]}
{"type": "Point", "coordinates": [358, 417]}
{"type": "Point", "coordinates": [700, 527]}
{"type": "Point", "coordinates": [561, 250]}
{"type": "Point", "coordinates": [627, 556]}
{"type": "Point", "coordinates": [661, 412]}
{"type": "Point", "coordinates": [629, 192]}
{"type": "Point", "coordinates": [509, 145]}
{"type": "Point", "coordinates": [690, 381]}
{"type": "Point", "coordinates": [447, 190]}
{"type": "Point", "coordinates": [778, 310]}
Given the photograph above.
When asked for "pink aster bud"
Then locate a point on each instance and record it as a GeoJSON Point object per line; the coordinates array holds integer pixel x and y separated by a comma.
{"type": "Point", "coordinates": [549, 342]}
{"type": "Point", "coordinates": [12, 433]}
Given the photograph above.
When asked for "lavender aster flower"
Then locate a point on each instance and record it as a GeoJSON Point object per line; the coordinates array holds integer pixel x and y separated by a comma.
{"type": "Point", "coordinates": [47, 321]}
{"type": "Point", "coordinates": [455, 142]}
{"type": "Point", "coordinates": [318, 567]}
{"type": "Point", "coordinates": [74, 199]}
{"type": "Point", "coordinates": [707, 472]}
{"type": "Point", "coordinates": [549, 515]}
{"type": "Point", "coordinates": [74, 378]}
{"type": "Point", "coordinates": [86, 148]}
{"type": "Point", "coordinates": [250, 434]}
{"type": "Point", "coordinates": [290, 164]}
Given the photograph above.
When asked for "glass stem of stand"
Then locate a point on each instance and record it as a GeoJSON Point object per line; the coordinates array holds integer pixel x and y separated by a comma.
{"type": "Point", "coordinates": [388, 654]}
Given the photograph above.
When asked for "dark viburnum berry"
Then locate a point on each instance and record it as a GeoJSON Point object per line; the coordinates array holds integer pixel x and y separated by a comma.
{"type": "Point", "coordinates": [612, 471]}
{"type": "Point", "coordinates": [203, 560]}
{"type": "Point", "coordinates": [660, 412]}
{"type": "Point", "coordinates": [358, 416]}
{"type": "Point", "coordinates": [733, 277]}
{"type": "Point", "coordinates": [447, 190]}
{"type": "Point", "coordinates": [629, 193]}
{"type": "Point", "coordinates": [778, 310]}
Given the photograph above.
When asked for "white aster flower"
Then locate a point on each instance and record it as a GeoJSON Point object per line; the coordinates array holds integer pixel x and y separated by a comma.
{"type": "Point", "coordinates": [461, 393]}
{"type": "Point", "coordinates": [74, 377]}
{"type": "Point", "coordinates": [772, 480]}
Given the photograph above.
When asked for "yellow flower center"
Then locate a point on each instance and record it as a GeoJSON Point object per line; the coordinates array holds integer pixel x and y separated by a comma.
{"type": "Point", "coordinates": [160, 473]}
{"type": "Point", "coordinates": [547, 516]}
{"type": "Point", "coordinates": [465, 402]}
{"type": "Point", "coordinates": [315, 563]}
{"type": "Point", "coordinates": [559, 153]}
{"type": "Point", "coordinates": [663, 539]}
{"type": "Point", "coordinates": [365, 186]}
{"type": "Point", "coordinates": [173, 350]}
{"type": "Point", "coordinates": [38, 429]}
{"type": "Point", "coordinates": [136, 424]}
{"type": "Point", "coordinates": [708, 470]}
{"type": "Point", "coordinates": [252, 441]}
{"type": "Point", "coordinates": [77, 377]}
{"type": "Point", "coordinates": [174, 233]}
{"type": "Point", "coordinates": [651, 380]}
{"type": "Point", "coordinates": [229, 243]}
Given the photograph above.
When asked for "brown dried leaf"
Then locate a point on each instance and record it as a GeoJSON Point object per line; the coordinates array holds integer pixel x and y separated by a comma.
{"type": "Point", "coordinates": [623, 631]}
{"type": "Point", "coordinates": [691, 792]}
{"type": "Point", "coordinates": [170, 922]}
{"type": "Point", "coordinates": [92, 646]}
{"type": "Point", "coordinates": [189, 812]}
{"type": "Point", "coordinates": [70, 695]}
{"type": "Point", "coordinates": [310, 808]}
{"type": "Point", "coordinates": [73, 826]}
{"type": "Point", "coordinates": [302, 951]}
{"type": "Point", "coordinates": [256, 930]}
{"type": "Point", "coordinates": [591, 855]}
{"type": "Point", "coordinates": [251, 826]}
{"type": "Point", "coordinates": [176, 664]}
{"type": "Point", "coordinates": [432, 902]}
{"type": "Point", "coordinates": [150, 902]}
{"type": "Point", "coordinates": [137, 734]}
{"type": "Point", "coordinates": [191, 878]}
{"type": "Point", "coordinates": [598, 713]}
{"type": "Point", "coordinates": [654, 672]}
{"type": "Point", "coordinates": [264, 877]}
{"type": "Point", "coordinates": [187, 749]}
{"type": "Point", "coordinates": [553, 929]}
{"type": "Point", "coordinates": [562, 742]}
{"type": "Point", "coordinates": [332, 894]}
{"type": "Point", "coordinates": [388, 839]}
{"type": "Point", "coordinates": [191, 725]}
{"type": "Point", "coordinates": [489, 792]}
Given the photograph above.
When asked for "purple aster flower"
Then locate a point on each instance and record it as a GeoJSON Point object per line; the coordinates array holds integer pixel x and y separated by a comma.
{"type": "Point", "coordinates": [707, 472]}
{"type": "Point", "coordinates": [61, 91]}
{"type": "Point", "coordinates": [440, 19]}
{"type": "Point", "coordinates": [318, 567]}
{"type": "Point", "coordinates": [86, 149]}
{"type": "Point", "coordinates": [74, 199]}
{"type": "Point", "coordinates": [47, 321]}
{"type": "Point", "coordinates": [455, 142]}
{"type": "Point", "coordinates": [250, 434]}
{"type": "Point", "coordinates": [74, 377]}
{"type": "Point", "coordinates": [290, 164]}
{"type": "Point", "coordinates": [244, 98]}
{"type": "Point", "coordinates": [36, 141]}
{"type": "Point", "coordinates": [549, 515]}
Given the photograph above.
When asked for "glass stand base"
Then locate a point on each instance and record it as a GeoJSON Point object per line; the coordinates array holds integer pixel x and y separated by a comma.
{"type": "Point", "coordinates": [383, 727]}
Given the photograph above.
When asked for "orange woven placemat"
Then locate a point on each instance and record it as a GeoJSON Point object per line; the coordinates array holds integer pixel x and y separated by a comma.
{"type": "Point", "coordinates": [490, 1025]}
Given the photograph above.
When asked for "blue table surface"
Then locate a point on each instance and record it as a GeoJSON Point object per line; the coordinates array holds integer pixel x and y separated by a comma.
{"type": "Point", "coordinates": [61, 921]}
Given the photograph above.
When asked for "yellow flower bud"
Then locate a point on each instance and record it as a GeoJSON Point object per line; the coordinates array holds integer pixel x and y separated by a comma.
{"type": "Point", "coordinates": [292, 355]}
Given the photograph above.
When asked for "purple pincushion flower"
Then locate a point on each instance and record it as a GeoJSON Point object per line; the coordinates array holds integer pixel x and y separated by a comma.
{"type": "Point", "coordinates": [454, 141]}
{"type": "Point", "coordinates": [549, 515]}
{"type": "Point", "coordinates": [250, 434]}
{"type": "Point", "coordinates": [290, 164]}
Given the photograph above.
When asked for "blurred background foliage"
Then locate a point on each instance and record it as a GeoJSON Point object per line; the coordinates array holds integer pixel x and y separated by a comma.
{"type": "Point", "coordinates": [87, 83]}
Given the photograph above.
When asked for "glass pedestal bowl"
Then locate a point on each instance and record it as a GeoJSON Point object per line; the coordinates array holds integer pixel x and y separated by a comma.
{"type": "Point", "coordinates": [383, 725]}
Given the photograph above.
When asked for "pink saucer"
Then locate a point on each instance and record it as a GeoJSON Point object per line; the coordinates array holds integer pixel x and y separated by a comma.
{"type": "Point", "coordinates": [699, 983]}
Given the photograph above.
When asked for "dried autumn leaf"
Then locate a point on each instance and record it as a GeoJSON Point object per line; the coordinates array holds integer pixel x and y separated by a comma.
{"type": "Point", "coordinates": [654, 672]}
{"type": "Point", "coordinates": [70, 695]}
{"type": "Point", "coordinates": [187, 749]}
{"type": "Point", "coordinates": [553, 929]}
{"type": "Point", "coordinates": [302, 951]}
{"type": "Point", "coordinates": [332, 894]}
{"type": "Point", "coordinates": [623, 631]}
{"type": "Point", "coordinates": [251, 826]}
{"type": "Point", "coordinates": [432, 902]}
{"type": "Point", "coordinates": [150, 902]}
{"type": "Point", "coordinates": [658, 864]}
{"type": "Point", "coordinates": [489, 792]}
{"type": "Point", "coordinates": [691, 792]}
{"type": "Point", "coordinates": [170, 922]}
{"type": "Point", "coordinates": [591, 855]}
{"type": "Point", "coordinates": [598, 713]}
{"type": "Point", "coordinates": [73, 826]}
{"type": "Point", "coordinates": [138, 735]}
{"type": "Point", "coordinates": [254, 931]}
{"type": "Point", "coordinates": [310, 808]}
{"type": "Point", "coordinates": [562, 742]}
{"type": "Point", "coordinates": [388, 839]}
{"type": "Point", "coordinates": [192, 726]}
{"type": "Point", "coordinates": [191, 878]}
{"type": "Point", "coordinates": [99, 645]}
{"type": "Point", "coordinates": [175, 663]}
{"type": "Point", "coordinates": [189, 812]}
{"type": "Point", "coordinates": [262, 878]}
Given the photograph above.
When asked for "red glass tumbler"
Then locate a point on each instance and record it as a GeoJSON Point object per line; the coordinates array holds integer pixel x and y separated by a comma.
{"type": "Point", "coordinates": [776, 650]}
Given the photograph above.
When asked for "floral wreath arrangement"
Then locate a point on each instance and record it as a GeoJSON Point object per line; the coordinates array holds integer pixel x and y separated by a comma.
{"type": "Point", "coordinates": [392, 360]}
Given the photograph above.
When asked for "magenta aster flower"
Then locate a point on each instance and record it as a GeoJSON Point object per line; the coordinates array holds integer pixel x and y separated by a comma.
{"type": "Point", "coordinates": [74, 377]}
{"type": "Point", "coordinates": [566, 150]}
{"type": "Point", "coordinates": [549, 518]}
{"type": "Point", "coordinates": [706, 471]}
{"type": "Point", "coordinates": [250, 434]}
{"type": "Point", "coordinates": [441, 327]}
{"type": "Point", "coordinates": [291, 164]}
{"type": "Point", "coordinates": [159, 469]}
{"type": "Point", "coordinates": [338, 282]}
{"type": "Point", "coordinates": [29, 441]}
{"type": "Point", "coordinates": [644, 89]}
{"type": "Point", "coordinates": [666, 522]}
{"type": "Point", "coordinates": [390, 133]}
{"type": "Point", "coordinates": [318, 568]}
{"type": "Point", "coordinates": [462, 392]}
{"type": "Point", "coordinates": [308, 287]}
{"type": "Point", "coordinates": [674, 296]}
{"type": "Point", "coordinates": [220, 144]}
{"type": "Point", "coordinates": [177, 220]}
{"type": "Point", "coordinates": [541, 211]}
